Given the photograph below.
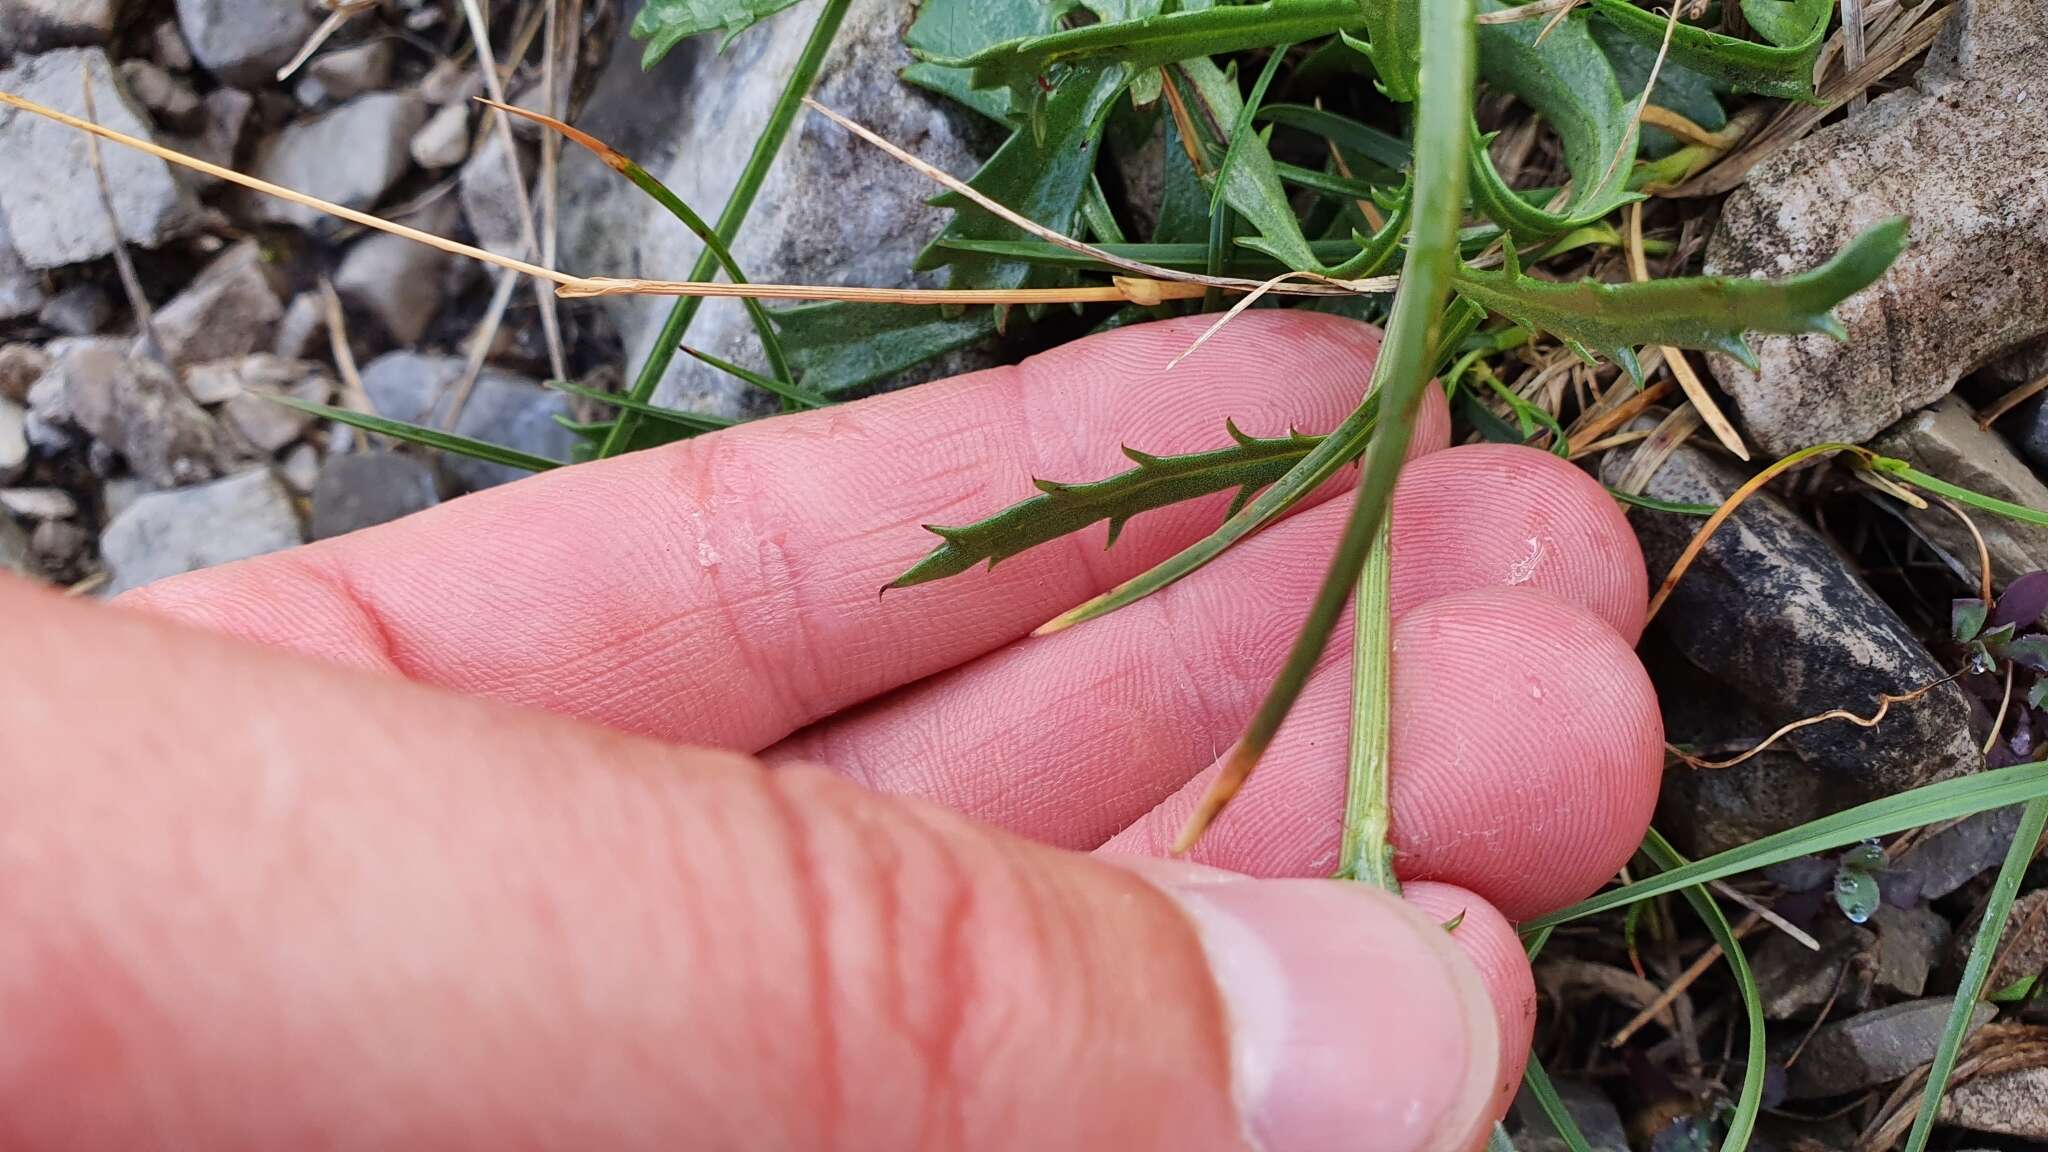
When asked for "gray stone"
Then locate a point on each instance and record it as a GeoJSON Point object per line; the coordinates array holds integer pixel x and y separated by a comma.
{"type": "Point", "coordinates": [21, 365]}
{"type": "Point", "coordinates": [134, 407]}
{"type": "Point", "coordinates": [303, 331]}
{"type": "Point", "coordinates": [351, 156]}
{"type": "Point", "coordinates": [1795, 982]}
{"type": "Point", "coordinates": [80, 310]}
{"type": "Point", "coordinates": [364, 489]}
{"type": "Point", "coordinates": [168, 45]}
{"type": "Point", "coordinates": [1591, 1110]}
{"type": "Point", "coordinates": [1875, 1048]}
{"type": "Point", "coordinates": [39, 503]}
{"type": "Point", "coordinates": [13, 441]}
{"type": "Point", "coordinates": [349, 72]}
{"type": "Point", "coordinates": [57, 549]}
{"type": "Point", "coordinates": [14, 547]}
{"type": "Point", "coordinates": [1945, 441]}
{"type": "Point", "coordinates": [692, 122]}
{"type": "Point", "coordinates": [1960, 852]}
{"type": "Point", "coordinates": [2022, 945]}
{"type": "Point", "coordinates": [1771, 610]}
{"type": "Point", "coordinates": [40, 25]}
{"type": "Point", "coordinates": [1910, 943]}
{"type": "Point", "coordinates": [219, 138]}
{"type": "Point", "coordinates": [1710, 811]}
{"type": "Point", "coordinates": [245, 41]}
{"type": "Point", "coordinates": [21, 289]}
{"type": "Point", "coordinates": [399, 281]}
{"type": "Point", "coordinates": [1956, 152]}
{"type": "Point", "coordinates": [119, 494]}
{"type": "Point", "coordinates": [443, 140]}
{"type": "Point", "coordinates": [164, 533]}
{"type": "Point", "coordinates": [2014, 1103]}
{"type": "Point", "coordinates": [300, 470]}
{"type": "Point", "coordinates": [170, 101]}
{"type": "Point", "coordinates": [503, 408]}
{"type": "Point", "coordinates": [266, 424]}
{"type": "Point", "coordinates": [229, 309]}
{"type": "Point", "coordinates": [490, 197]}
{"type": "Point", "coordinates": [53, 206]}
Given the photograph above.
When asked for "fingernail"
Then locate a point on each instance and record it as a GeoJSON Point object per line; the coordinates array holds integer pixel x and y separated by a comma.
{"type": "Point", "coordinates": [1356, 1021]}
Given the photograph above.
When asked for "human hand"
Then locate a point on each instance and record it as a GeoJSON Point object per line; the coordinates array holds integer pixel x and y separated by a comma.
{"type": "Point", "coordinates": [260, 901]}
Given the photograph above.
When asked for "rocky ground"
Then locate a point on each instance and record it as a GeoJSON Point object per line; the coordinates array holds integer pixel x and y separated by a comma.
{"type": "Point", "coordinates": [134, 444]}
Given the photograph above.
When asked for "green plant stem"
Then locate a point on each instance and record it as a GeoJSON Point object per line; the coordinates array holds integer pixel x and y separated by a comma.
{"type": "Point", "coordinates": [1400, 376]}
{"type": "Point", "coordinates": [1927, 804]}
{"type": "Point", "coordinates": [1365, 854]}
{"type": "Point", "coordinates": [736, 208]}
{"type": "Point", "coordinates": [1983, 949]}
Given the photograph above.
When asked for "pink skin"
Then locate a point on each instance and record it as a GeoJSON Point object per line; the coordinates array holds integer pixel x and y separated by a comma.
{"type": "Point", "coordinates": [722, 593]}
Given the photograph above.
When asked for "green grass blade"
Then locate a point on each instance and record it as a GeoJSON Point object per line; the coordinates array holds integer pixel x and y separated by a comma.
{"type": "Point", "coordinates": [1928, 804]}
{"type": "Point", "coordinates": [771, 345]}
{"type": "Point", "coordinates": [801, 397]}
{"type": "Point", "coordinates": [1656, 505]}
{"type": "Point", "coordinates": [736, 208]}
{"type": "Point", "coordinates": [1983, 949]}
{"type": "Point", "coordinates": [1537, 1081]}
{"type": "Point", "coordinates": [1385, 149]}
{"type": "Point", "coordinates": [1750, 1100]}
{"type": "Point", "coordinates": [420, 434]}
{"type": "Point", "coordinates": [1960, 494]}
{"type": "Point", "coordinates": [1400, 375]}
{"type": "Point", "coordinates": [694, 421]}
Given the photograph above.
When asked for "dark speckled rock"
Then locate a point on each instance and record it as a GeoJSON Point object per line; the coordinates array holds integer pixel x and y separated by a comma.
{"type": "Point", "coordinates": [1772, 611]}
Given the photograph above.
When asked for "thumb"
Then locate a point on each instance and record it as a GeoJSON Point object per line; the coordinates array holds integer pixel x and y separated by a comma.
{"type": "Point", "coordinates": [257, 902]}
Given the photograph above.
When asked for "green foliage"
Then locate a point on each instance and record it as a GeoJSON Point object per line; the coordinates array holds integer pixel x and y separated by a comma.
{"type": "Point", "coordinates": [1567, 80]}
{"type": "Point", "coordinates": [421, 434]}
{"type": "Point", "coordinates": [1928, 804]}
{"type": "Point", "coordinates": [667, 23]}
{"type": "Point", "coordinates": [1248, 465]}
{"type": "Point", "coordinates": [1983, 950]}
{"type": "Point", "coordinates": [1755, 1063]}
{"type": "Point", "coordinates": [1782, 68]}
{"type": "Point", "coordinates": [1706, 312]}
{"type": "Point", "coordinates": [1041, 172]}
{"type": "Point", "coordinates": [1248, 181]}
{"type": "Point", "coordinates": [1151, 41]}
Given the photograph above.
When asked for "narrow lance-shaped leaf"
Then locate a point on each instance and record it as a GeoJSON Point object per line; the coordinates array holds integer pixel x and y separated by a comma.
{"type": "Point", "coordinates": [1703, 312]}
{"type": "Point", "coordinates": [1401, 374]}
{"type": "Point", "coordinates": [1152, 41]}
{"type": "Point", "coordinates": [1247, 179]}
{"type": "Point", "coordinates": [1568, 81]}
{"type": "Point", "coordinates": [1248, 465]}
{"type": "Point", "coordinates": [644, 180]}
{"type": "Point", "coordinates": [421, 434]}
{"type": "Point", "coordinates": [1927, 804]}
{"type": "Point", "coordinates": [1783, 69]}
{"type": "Point", "coordinates": [667, 23]}
{"type": "Point", "coordinates": [1394, 38]}
{"type": "Point", "coordinates": [1041, 172]}
{"type": "Point", "coordinates": [691, 422]}
{"type": "Point", "coordinates": [1382, 148]}
{"type": "Point", "coordinates": [1755, 1064]}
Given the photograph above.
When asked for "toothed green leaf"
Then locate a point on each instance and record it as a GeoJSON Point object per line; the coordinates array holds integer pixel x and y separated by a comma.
{"type": "Point", "coordinates": [1248, 464]}
{"type": "Point", "coordinates": [1249, 182]}
{"type": "Point", "coordinates": [1703, 312]}
{"type": "Point", "coordinates": [1782, 68]}
{"type": "Point", "coordinates": [1150, 41]}
{"type": "Point", "coordinates": [667, 23]}
{"type": "Point", "coordinates": [1568, 81]}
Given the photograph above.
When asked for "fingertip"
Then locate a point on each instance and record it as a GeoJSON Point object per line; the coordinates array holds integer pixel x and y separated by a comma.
{"type": "Point", "coordinates": [1496, 952]}
{"type": "Point", "coordinates": [1350, 1012]}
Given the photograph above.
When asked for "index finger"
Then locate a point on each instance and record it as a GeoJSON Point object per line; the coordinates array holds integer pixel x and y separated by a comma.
{"type": "Point", "coordinates": [723, 590]}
